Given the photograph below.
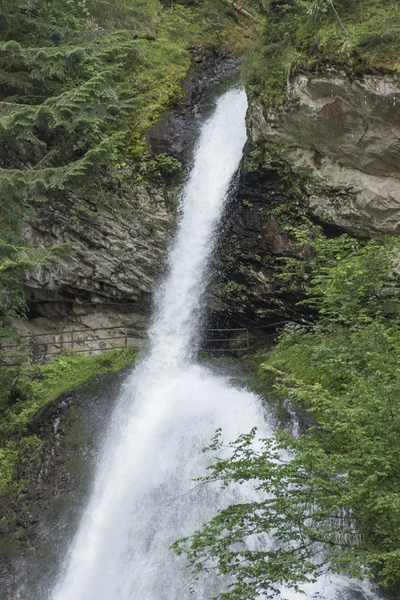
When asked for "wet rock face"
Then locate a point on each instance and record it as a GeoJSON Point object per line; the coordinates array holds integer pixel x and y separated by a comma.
{"type": "Point", "coordinates": [38, 524]}
{"type": "Point", "coordinates": [120, 232]}
{"type": "Point", "coordinates": [347, 132]}
{"type": "Point", "coordinates": [246, 289]}
{"type": "Point", "coordinates": [331, 154]}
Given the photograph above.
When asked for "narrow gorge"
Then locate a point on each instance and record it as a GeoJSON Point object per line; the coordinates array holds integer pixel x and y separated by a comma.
{"type": "Point", "coordinates": [199, 300]}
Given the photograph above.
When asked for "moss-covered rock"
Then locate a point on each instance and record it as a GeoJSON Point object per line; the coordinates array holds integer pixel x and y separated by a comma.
{"type": "Point", "coordinates": [48, 437]}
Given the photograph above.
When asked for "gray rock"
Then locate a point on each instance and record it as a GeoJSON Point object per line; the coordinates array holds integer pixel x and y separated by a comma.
{"type": "Point", "coordinates": [119, 253]}
{"type": "Point", "coordinates": [120, 248]}
{"type": "Point", "coordinates": [347, 132]}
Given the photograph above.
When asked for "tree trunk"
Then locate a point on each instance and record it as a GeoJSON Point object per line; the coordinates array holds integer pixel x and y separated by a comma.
{"type": "Point", "coordinates": [239, 9]}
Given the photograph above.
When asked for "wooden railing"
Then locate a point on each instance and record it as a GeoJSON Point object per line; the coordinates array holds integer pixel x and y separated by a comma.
{"type": "Point", "coordinates": [36, 348]}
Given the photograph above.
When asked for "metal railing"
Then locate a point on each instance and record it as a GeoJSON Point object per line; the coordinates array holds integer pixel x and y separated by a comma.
{"type": "Point", "coordinates": [36, 348]}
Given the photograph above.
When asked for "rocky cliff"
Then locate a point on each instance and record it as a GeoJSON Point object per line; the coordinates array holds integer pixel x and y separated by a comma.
{"type": "Point", "coordinates": [121, 227]}
{"type": "Point", "coordinates": [329, 155]}
{"type": "Point", "coordinates": [118, 252]}
{"type": "Point", "coordinates": [347, 133]}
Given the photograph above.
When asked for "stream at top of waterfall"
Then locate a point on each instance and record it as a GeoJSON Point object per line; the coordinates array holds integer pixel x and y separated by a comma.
{"type": "Point", "coordinates": [143, 496]}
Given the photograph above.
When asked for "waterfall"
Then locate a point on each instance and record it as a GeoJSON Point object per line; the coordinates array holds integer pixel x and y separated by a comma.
{"type": "Point", "coordinates": [144, 496]}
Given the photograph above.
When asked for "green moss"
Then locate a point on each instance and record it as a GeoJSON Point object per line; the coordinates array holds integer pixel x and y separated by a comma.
{"type": "Point", "coordinates": [76, 435]}
{"type": "Point", "coordinates": [38, 386]}
{"type": "Point", "coordinates": [8, 460]}
{"type": "Point", "coordinates": [156, 85]}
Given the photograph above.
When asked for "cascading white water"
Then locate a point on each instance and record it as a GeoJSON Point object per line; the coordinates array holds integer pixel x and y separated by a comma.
{"type": "Point", "coordinates": [143, 497]}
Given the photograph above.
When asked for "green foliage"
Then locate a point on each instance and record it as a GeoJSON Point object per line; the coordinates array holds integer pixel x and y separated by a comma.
{"type": "Point", "coordinates": [313, 34]}
{"type": "Point", "coordinates": [329, 497]}
{"type": "Point", "coordinates": [15, 261]}
{"type": "Point", "coordinates": [62, 117]}
{"type": "Point", "coordinates": [26, 390]}
{"type": "Point", "coordinates": [161, 166]}
{"type": "Point", "coordinates": [139, 16]}
{"type": "Point", "coordinates": [355, 284]}
{"type": "Point", "coordinates": [299, 509]}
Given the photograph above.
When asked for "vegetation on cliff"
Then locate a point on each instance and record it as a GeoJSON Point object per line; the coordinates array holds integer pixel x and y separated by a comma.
{"type": "Point", "coordinates": [28, 390]}
{"type": "Point", "coordinates": [39, 425]}
{"type": "Point", "coordinates": [330, 495]}
{"type": "Point", "coordinates": [312, 35]}
{"type": "Point", "coordinates": [79, 84]}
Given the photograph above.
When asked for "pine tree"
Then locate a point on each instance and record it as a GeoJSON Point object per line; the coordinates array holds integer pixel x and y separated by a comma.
{"type": "Point", "coordinates": [60, 109]}
{"type": "Point", "coordinates": [62, 115]}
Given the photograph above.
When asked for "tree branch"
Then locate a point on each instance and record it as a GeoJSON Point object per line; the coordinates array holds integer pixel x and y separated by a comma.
{"type": "Point", "coordinates": [239, 9]}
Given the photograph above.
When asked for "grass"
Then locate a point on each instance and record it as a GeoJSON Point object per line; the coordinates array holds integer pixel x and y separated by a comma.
{"type": "Point", "coordinates": [38, 386]}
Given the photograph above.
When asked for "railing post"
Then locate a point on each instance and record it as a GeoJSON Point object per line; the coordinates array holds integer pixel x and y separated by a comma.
{"type": "Point", "coordinates": [248, 339]}
{"type": "Point", "coordinates": [126, 337]}
{"type": "Point", "coordinates": [72, 339]}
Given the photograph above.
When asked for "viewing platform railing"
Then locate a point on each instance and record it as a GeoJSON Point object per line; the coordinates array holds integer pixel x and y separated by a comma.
{"type": "Point", "coordinates": [36, 348]}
